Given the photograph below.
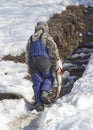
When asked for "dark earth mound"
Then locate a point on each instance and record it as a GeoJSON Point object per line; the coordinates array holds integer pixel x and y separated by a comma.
{"type": "Point", "coordinates": [70, 27]}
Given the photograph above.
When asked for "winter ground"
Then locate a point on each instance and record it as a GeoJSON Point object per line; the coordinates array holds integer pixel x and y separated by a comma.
{"type": "Point", "coordinates": [74, 111]}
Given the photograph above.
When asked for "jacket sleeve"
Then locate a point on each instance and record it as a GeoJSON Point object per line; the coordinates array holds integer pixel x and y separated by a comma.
{"type": "Point", "coordinates": [53, 49]}
{"type": "Point", "coordinates": [27, 52]}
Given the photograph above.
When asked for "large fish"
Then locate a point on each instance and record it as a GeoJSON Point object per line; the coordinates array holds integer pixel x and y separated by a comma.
{"type": "Point", "coordinates": [59, 79]}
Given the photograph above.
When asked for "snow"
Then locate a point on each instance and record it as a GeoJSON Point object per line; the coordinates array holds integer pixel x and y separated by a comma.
{"type": "Point", "coordinates": [72, 112]}
{"type": "Point", "coordinates": [76, 55]}
{"type": "Point", "coordinates": [12, 80]}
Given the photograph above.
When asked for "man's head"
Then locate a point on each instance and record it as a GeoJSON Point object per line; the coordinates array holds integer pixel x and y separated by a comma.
{"type": "Point", "coordinates": [42, 25]}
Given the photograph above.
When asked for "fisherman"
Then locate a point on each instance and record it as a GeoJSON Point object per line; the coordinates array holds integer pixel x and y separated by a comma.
{"type": "Point", "coordinates": [41, 54]}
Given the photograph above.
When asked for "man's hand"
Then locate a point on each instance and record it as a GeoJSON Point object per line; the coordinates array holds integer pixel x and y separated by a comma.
{"type": "Point", "coordinates": [59, 71]}
{"type": "Point", "coordinates": [59, 65]}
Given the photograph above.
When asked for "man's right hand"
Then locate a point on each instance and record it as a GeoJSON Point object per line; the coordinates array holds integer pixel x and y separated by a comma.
{"type": "Point", "coordinates": [59, 71]}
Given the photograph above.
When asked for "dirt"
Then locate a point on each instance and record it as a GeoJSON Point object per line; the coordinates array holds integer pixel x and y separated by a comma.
{"type": "Point", "coordinates": [67, 28]}
{"type": "Point", "coordinates": [16, 59]}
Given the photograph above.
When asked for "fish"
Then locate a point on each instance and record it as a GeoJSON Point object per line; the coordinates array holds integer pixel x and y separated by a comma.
{"type": "Point", "coordinates": [59, 80]}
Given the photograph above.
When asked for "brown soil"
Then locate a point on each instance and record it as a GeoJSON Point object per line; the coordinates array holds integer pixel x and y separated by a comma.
{"type": "Point", "coordinates": [16, 59]}
{"type": "Point", "coordinates": [9, 96]}
{"type": "Point", "coordinates": [67, 27]}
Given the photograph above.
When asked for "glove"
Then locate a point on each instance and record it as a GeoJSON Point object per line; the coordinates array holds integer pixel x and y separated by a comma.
{"type": "Point", "coordinates": [59, 65]}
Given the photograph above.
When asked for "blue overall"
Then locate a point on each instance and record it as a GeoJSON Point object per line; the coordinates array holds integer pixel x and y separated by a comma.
{"type": "Point", "coordinates": [41, 68]}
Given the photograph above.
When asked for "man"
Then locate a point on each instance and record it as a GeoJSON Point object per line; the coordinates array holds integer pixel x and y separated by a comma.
{"type": "Point", "coordinates": [41, 54]}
